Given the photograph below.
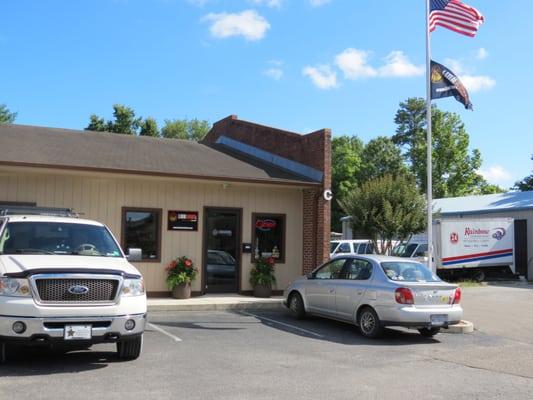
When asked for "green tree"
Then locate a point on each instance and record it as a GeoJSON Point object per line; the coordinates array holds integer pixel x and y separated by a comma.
{"type": "Point", "coordinates": [194, 129]}
{"type": "Point", "coordinates": [96, 124]}
{"type": "Point", "coordinates": [454, 167]}
{"type": "Point", "coordinates": [149, 127]}
{"type": "Point", "coordinates": [6, 116]}
{"type": "Point", "coordinates": [346, 162]}
{"type": "Point", "coordinates": [386, 209]}
{"type": "Point", "coordinates": [525, 184]}
{"type": "Point", "coordinates": [124, 121]}
{"type": "Point", "coordinates": [381, 157]}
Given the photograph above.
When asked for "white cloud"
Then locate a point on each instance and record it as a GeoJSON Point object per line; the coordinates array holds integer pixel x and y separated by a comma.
{"type": "Point", "coordinates": [268, 3]}
{"type": "Point", "coordinates": [473, 83]}
{"type": "Point", "coordinates": [353, 63]}
{"type": "Point", "coordinates": [496, 174]}
{"type": "Point", "coordinates": [476, 83]}
{"type": "Point", "coordinates": [454, 65]}
{"type": "Point", "coordinates": [248, 24]}
{"type": "Point", "coordinates": [318, 3]}
{"type": "Point", "coordinates": [274, 73]}
{"type": "Point", "coordinates": [397, 64]}
{"type": "Point", "coordinates": [482, 53]}
{"type": "Point", "coordinates": [322, 76]}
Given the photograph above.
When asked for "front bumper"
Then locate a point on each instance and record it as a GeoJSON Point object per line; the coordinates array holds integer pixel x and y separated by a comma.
{"type": "Point", "coordinates": [42, 330]}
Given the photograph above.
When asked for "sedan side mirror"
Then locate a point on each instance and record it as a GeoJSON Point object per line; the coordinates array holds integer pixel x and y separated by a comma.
{"type": "Point", "coordinates": [134, 255]}
{"type": "Point", "coordinates": [309, 276]}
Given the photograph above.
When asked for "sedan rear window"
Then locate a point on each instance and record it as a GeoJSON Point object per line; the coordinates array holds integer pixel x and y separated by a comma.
{"type": "Point", "coordinates": [408, 272]}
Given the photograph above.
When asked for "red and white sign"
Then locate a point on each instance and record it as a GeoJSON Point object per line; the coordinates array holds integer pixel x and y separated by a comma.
{"type": "Point", "coordinates": [265, 224]}
{"type": "Point", "coordinates": [454, 237]}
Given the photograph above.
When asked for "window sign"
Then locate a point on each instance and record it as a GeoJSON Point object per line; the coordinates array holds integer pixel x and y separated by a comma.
{"type": "Point", "coordinates": [268, 232]}
{"type": "Point", "coordinates": [182, 221]}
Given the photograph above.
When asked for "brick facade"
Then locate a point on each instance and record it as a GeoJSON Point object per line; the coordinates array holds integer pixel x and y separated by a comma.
{"type": "Point", "coordinates": [314, 150]}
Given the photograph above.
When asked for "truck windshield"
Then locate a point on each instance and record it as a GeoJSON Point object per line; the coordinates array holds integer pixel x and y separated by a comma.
{"type": "Point", "coordinates": [404, 250]}
{"type": "Point", "coordinates": [408, 272]}
{"type": "Point", "coordinates": [58, 238]}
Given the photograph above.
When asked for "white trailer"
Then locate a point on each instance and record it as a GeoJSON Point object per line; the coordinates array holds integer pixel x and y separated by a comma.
{"type": "Point", "coordinates": [467, 245]}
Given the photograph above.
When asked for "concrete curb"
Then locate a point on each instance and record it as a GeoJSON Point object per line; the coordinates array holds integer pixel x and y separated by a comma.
{"type": "Point", "coordinates": [271, 305]}
{"type": "Point", "coordinates": [461, 327]}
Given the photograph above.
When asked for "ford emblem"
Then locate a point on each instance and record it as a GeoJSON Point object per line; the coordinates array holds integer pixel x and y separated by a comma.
{"type": "Point", "coordinates": [78, 289]}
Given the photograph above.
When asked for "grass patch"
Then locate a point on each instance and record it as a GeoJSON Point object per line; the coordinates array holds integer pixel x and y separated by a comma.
{"type": "Point", "coordinates": [470, 283]}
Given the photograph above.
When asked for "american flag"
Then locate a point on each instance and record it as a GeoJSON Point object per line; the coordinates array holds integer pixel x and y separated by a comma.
{"type": "Point", "coordinates": [454, 15]}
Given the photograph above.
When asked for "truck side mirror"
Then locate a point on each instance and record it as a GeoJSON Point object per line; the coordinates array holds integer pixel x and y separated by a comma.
{"type": "Point", "coordinates": [134, 255]}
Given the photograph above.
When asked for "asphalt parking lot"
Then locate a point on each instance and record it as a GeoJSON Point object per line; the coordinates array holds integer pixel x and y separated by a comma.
{"type": "Point", "coordinates": [267, 354]}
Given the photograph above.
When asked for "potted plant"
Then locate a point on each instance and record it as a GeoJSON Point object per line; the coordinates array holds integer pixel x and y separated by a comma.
{"type": "Point", "coordinates": [180, 273]}
{"type": "Point", "coordinates": [262, 276]}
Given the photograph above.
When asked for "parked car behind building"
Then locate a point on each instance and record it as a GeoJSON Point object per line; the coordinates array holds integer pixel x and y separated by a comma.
{"type": "Point", "coordinates": [360, 246]}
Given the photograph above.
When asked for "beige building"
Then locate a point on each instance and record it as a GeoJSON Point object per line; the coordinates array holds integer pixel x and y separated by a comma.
{"type": "Point", "coordinates": [221, 202]}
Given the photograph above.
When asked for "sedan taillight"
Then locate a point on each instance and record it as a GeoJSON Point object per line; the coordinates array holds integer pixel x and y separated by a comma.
{"type": "Point", "coordinates": [404, 296]}
{"type": "Point", "coordinates": [457, 296]}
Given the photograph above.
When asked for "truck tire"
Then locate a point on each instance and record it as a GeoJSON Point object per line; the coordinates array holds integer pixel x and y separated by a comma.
{"type": "Point", "coordinates": [130, 348]}
{"type": "Point", "coordinates": [3, 353]}
{"type": "Point", "coordinates": [478, 275]}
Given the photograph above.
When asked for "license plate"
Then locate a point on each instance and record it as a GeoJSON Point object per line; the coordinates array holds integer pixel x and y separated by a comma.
{"type": "Point", "coordinates": [438, 319]}
{"type": "Point", "coordinates": [77, 332]}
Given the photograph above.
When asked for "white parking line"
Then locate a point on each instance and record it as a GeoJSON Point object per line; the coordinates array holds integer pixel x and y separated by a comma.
{"type": "Point", "coordinates": [296, 328]}
{"type": "Point", "coordinates": [164, 332]}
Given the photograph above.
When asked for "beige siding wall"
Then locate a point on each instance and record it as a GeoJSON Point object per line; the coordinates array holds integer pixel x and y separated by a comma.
{"type": "Point", "coordinates": [101, 197]}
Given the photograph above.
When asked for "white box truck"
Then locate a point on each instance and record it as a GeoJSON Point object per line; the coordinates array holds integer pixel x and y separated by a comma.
{"type": "Point", "coordinates": [468, 247]}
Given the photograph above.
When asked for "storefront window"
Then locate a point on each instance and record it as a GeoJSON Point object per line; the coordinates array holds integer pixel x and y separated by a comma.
{"type": "Point", "coordinates": [141, 229]}
{"type": "Point", "coordinates": [268, 234]}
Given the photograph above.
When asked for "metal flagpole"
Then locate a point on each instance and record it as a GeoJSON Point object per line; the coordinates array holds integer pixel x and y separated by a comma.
{"type": "Point", "coordinates": [429, 143]}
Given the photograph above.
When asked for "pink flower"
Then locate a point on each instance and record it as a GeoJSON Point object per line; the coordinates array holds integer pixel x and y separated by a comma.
{"type": "Point", "coordinates": [188, 263]}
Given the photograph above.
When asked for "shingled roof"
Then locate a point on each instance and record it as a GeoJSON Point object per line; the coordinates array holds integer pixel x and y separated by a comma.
{"type": "Point", "coordinates": [33, 146]}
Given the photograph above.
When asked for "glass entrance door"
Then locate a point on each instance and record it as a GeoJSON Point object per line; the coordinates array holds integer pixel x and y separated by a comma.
{"type": "Point", "coordinates": [222, 250]}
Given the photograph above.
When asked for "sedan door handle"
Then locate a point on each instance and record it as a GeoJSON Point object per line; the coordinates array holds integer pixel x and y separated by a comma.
{"type": "Point", "coordinates": [332, 290]}
{"type": "Point", "coordinates": [359, 292]}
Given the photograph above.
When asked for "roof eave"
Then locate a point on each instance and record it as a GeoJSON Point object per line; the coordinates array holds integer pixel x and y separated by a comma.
{"type": "Point", "coordinates": [265, 181]}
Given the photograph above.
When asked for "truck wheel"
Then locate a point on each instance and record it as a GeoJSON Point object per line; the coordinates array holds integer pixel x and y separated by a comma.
{"type": "Point", "coordinates": [478, 276]}
{"type": "Point", "coordinates": [3, 353]}
{"type": "Point", "coordinates": [130, 349]}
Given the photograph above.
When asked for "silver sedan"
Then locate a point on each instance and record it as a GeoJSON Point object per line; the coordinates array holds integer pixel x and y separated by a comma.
{"type": "Point", "coordinates": [375, 291]}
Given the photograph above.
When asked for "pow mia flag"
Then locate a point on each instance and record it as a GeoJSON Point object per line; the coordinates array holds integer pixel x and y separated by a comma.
{"type": "Point", "coordinates": [444, 83]}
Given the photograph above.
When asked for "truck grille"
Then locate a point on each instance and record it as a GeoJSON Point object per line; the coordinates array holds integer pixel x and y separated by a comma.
{"type": "Point", "coordinates": [60, 290]}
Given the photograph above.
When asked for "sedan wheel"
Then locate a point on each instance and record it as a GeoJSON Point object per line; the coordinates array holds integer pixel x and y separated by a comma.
{"type": "Point", "coordinates": [429, 332]}
{"type": "Point", "coordinates": [296, 306]}
{"type": "Point", "coordinates": [369, 323]}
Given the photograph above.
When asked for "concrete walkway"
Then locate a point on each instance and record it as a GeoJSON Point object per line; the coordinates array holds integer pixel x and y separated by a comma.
{"type": "Point", "coordinates": [214, 302]}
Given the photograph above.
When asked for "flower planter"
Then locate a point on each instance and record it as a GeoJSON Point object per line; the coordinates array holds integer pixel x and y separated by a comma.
{"type": "Point", "coordinates": [262, 291]}
{"type": "Point", "coordinates": [182, 291]}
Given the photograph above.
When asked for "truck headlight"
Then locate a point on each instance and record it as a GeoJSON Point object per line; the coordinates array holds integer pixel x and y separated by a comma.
{"type": "Point", "coordinates": [133, 287]}
{"type": "Point", "coordinates": [14, 287]}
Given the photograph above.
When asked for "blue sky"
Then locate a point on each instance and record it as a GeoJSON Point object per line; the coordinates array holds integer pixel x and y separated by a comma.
{"type": "Point", "coordinates": [296, 64]}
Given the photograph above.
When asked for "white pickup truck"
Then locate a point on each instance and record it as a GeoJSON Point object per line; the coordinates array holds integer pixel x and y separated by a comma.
{"type": "Point", "coordinates": [66, 282]}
